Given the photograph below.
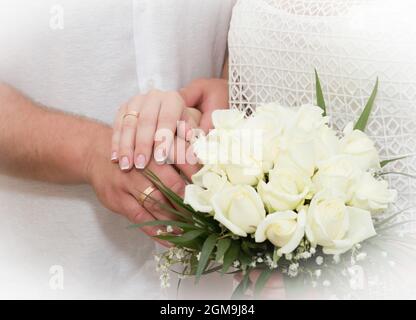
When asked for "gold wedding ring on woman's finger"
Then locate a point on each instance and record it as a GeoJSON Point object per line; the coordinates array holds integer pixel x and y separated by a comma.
{"type": "Point", "coordinates": [145, 194]}
{"type": "Point", "coordinates": [131, 114]}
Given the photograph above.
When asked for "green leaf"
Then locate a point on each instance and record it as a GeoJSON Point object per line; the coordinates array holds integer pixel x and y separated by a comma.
{"type": "Point", "coordinates": [178, 201]}
{"type": "Point", "coordinates": [193, 264]}
{"type": "Point", "coordinates": [245, 259]}
{"type": "Point", "coordinates": [173, 223]}
{"type": "Point", "coordinates": [262, 281]}
{"type": "Point", "coordinates": [230, 256]}
{"type": "Point", "coordinates": [184, 238]}
{"type": "Point", "coordinates": [386, 162]}
{"type": "Point", "coordinates": [397, 173]}
{"type": "Point", "coordinates": [206, 252]}
{"type": "Point", "coordinates": [320, 100]}
{"type": "Point", "coordinates": [242, 287]}
{"type": "Point", "coordinates": [363, 120]}
{"type": "Point", "coordinates": [212, 270]}
{"type": "Point", "coordinates": [246, 248]}
{"type": "Point", "coordinates": [169, 209]}
{"type": "Point", "coordinates": [276, 256]}
{"type": "Point", "coordinates": [222, 246]}
{"type": "Point", "coordinates": [168, 193]}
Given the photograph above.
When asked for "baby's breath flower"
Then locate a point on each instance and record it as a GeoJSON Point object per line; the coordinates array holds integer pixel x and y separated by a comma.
{"type": "Point", "coordinates": [169, 229]}
{"type": "Point", "coordinates": [351, 271]}
{"type": "Point", "coordinates": [164, 280]}
{"type": "Point", "coordinates": [361, 256]}
{"type": "Point", "coordinates": [198, 256]}
{"type": "Point", "coordinates": [319, 260]}
{"type": "Point", "coordinates": [312, 250]}
{"type": "Point", "coordinates": [289, 256]}
{"type": "Point", "coordinates": [305, 255]}
{"type": "Point", "coordinates": [260, 260]}
{"type": "Point", "coordinates": [337, 259]}
{"type": "Point", "coordinates": [159, 232]}
{"type": "Point", "coordinates": [318, 273]}
{"type": "Point", "coordinates": [179, 253]}
{"type": "Point", "coordinates": [326, 283]}
{"type": "Point", "coordinates": [293, 270]}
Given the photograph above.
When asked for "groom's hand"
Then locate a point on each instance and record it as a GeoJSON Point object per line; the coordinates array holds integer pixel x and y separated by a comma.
{"type": "Point", "coordinates": [120, 191]}
{"type": "Point", "coordinates": [206, 95]}
{"type": "Point", "coordinates": [68, 149]}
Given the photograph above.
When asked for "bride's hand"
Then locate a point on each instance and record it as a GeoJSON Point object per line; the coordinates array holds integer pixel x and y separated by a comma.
{"type": "Point", "coordinates": [147, 118]}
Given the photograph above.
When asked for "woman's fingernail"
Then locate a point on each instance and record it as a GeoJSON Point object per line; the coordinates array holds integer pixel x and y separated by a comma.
{"type": "Point", "coordinates": [189, 135]}
{"type": "Point", "coordinates": [114, 156]}
{"type": "Point", "coordinates": [124, 163]}
{"type": "Point", "coordinates": [160, 156]}
{"type": "Point", "coordinates": [140, 162]}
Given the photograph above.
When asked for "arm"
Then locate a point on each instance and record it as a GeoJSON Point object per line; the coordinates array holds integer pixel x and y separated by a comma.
{"type": "Point", "coordinates": [47, 145]}
{"type": "Point", "coordinates": [43, 144]}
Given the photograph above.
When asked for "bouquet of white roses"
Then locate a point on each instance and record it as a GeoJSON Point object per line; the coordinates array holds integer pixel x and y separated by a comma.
{"type": "Point", "coordinates": [279, 188]}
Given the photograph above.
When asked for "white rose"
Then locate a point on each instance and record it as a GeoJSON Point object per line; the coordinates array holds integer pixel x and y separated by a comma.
{"type": "Point", "coordinates": [297, 145]}
{"type": "Point", "coordinates": [276, 112]}
{"type": "Point", "coordinates": [335, 226]}
{"type": "Point", "coordinates": [286, 190]}
{"type": "Point", "coordinates": [308, 118]}
{"type": "Point", "coordinates": [207, 149]}
{"type": "Point", "coordinates": [215, 148]}
{"type": "Point", "coordinates": [357, 144]}
{"type": "Point", "coordinates": [239, 209]}
{"type": "Point", "coordinates": [296, 150]}
{"type": "Point", "coordinates": [326, 143]}
{"type": "Point", "coordinates": [372, 194]}
{"type": "Point", "coordinates": [284, 229]}
{"type": "Point", "coordinates": [232, 151]}
{"type": "Point", "coordinates": [249, 174]}
{"type": "Point", "coordinates": [337, 173]}
{"type": "Point", "coordinates": [207, 182]}
{"type": "Point", "coordinates": [227, 119]}
{"type": "Point", "coordinates": [242, 167]}
{"type": "Point", "coordinates": [267, 125]}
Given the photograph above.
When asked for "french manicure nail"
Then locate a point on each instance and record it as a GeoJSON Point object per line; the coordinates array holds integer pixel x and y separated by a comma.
{"type": "Point", "coordinates": [124, 163]}
{"type": "Point", "coordinates": [160, 156]}
{"type": "Point", "coordinates": [114, 156]}
{"type": "Point", "coordinates": [189, 135]}
{"type": "Point", "coordinates": [140, 162]}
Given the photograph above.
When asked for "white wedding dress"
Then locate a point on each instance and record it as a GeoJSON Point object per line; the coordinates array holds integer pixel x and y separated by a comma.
{"type": "Point", "coordinates": [274, 46]}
